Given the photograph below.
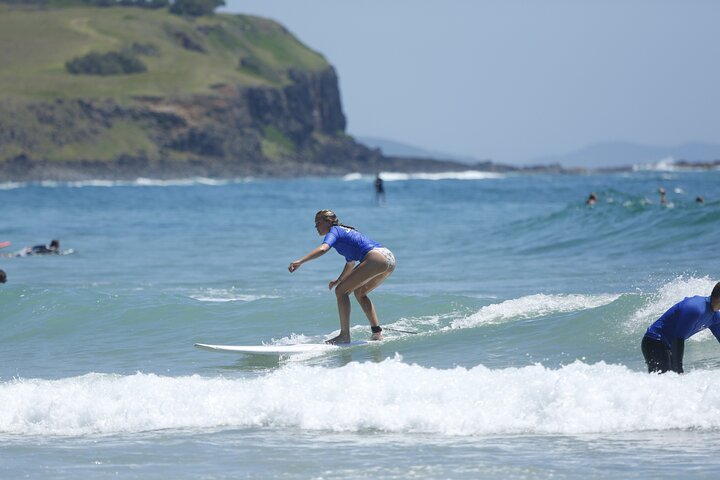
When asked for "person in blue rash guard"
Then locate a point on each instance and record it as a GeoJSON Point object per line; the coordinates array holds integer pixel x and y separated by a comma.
{"type": "Point", "coordinates": [376, 264]}
{"type": "Point", "coordinates": [664, 342]}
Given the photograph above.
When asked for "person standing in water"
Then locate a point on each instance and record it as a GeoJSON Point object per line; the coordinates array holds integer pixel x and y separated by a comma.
{"type": "Point", "coordinates": [663, 345]}
{"type": "Point", "coordinates": [379, 190]}
{"type": "Point", "coordinates": [376, 264]}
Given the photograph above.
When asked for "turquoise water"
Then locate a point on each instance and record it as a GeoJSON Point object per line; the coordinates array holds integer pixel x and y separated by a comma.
{"type": "Point", "coordinates": [529, 307]}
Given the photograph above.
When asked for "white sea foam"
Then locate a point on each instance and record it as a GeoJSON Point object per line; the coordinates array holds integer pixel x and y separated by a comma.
{"type": "Point", "coordinates": [351, 177]}
{"type": "Point", "coordinates": [397, 176]}
{"type": "Point", "coordinates": [532, 306]}
{"type": "Point", "coordinates": [668, 165]}
{"type": "Point", "coordinates": [664, 165]}
{"type": "Point", "coordinates": [219, 295]}
{"type": "Point", "coordinates": [139, 182]}
{"type": "Point", "coordinates": [293, 339]}
{"type": "Point", "coordinates": [149, 182]}
{"type": "Point", "coordinates": [667, 296]}
{"type": "Point", "coordinates": [390, 396]}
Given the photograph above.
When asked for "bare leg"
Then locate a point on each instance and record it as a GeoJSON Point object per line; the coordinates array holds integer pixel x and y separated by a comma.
{"type": "Point", "coordinates": [361, 294]}
{"type": "Point", "coordinates": [368, 308]}
{"type": "Point", "coordinates": [370, 313]}
{"type": "Point", "coordinates": [343, 301]}
{"type": "Point", "coordinates": [374, 265]}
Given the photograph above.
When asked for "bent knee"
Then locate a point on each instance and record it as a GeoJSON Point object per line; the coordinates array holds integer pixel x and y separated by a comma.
{"type": "Point", "coordinates": [360, 293]}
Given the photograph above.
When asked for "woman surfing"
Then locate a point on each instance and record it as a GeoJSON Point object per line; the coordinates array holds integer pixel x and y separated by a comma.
{"type": "Point", "coordinates": [376, 264]}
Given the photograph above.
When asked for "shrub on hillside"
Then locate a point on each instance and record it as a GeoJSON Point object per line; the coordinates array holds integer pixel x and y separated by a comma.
{"type": "Point", "coordinates": [251, 64]}
{"type": "Point", "coordinates": [195, 8]}
{"type": "Point", "coordinates": [151, 4]}
{"type": "Point", "coordinates": [111, 63]}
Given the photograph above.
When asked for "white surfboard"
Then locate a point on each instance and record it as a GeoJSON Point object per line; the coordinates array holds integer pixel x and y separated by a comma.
{"type": "Point", "coordinates": [277, 349]}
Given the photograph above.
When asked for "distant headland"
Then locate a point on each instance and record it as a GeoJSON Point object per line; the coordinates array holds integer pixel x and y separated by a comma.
{"type": "Point", "coordinates": [122, 91]}
{"type": "Point", "coordinates": [106, 89]}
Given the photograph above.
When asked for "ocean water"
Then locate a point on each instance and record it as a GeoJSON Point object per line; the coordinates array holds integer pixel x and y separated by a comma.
{"type": "Point", "coordinates": [527, 308]}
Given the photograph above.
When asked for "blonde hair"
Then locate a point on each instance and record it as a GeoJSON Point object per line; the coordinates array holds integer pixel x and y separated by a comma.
{"type": "Point", "coordinates": [330, 217]}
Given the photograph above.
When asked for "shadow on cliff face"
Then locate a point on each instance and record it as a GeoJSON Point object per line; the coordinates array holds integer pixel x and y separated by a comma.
{"type": "Point", "coordinates": [227, 134]}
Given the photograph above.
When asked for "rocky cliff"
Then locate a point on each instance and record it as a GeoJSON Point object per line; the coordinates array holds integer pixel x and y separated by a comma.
{"type": "Point", "coordinates": [224, 96]}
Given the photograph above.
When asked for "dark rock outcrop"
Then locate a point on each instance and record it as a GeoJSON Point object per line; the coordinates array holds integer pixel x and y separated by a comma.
{"type": "Point", "coordinates": [293, 130]}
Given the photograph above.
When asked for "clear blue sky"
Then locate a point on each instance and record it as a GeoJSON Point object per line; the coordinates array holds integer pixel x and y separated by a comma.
{"type": "Point", "coordinates": [512, 80]}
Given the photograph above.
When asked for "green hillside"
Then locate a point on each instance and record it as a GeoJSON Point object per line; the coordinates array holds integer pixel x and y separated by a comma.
{"type": "Point", "coordinates": [183, 56]}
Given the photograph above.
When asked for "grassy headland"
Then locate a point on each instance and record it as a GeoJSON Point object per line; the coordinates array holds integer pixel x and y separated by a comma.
{"type": "Point", "coordinates": [122, 92]}
{"type": "Point", "coordinates": [184, 55]}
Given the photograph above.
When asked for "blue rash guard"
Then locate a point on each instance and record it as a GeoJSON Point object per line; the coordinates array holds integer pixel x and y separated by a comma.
{"type": "Point", "coordinates": [685, 319]}
{"type": "Point", "coordinates": [349, 243]}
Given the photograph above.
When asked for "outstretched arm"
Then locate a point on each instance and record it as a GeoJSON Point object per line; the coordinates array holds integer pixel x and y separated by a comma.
{"type": "Point", "coordinates": [315, 253]}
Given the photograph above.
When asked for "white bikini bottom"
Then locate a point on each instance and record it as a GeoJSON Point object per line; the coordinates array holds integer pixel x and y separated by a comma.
{"type": "Point", "coordinates": [389, 257]}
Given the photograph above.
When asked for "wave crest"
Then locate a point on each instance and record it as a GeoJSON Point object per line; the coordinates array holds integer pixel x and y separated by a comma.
{"type": "Point", "coordinates": [532, 306]}
{"type": "Point", "coordinates": [577, 398]}
{"type": "Point", "coordinates": [398, 176]}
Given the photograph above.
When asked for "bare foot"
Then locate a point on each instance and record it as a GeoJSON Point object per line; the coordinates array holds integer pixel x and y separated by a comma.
{"type": "Point", "coordinates": [339, 339]}
{"type": "Point", "coordinates": [377, 336]}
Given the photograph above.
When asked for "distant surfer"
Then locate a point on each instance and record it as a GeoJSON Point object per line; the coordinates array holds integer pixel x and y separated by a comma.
{"type": "Point", "coordinates": [376, 264]}
{"type": "Point", "coordinates": [663, 196]}
{"type": "Point", "coordinates": [592, 199]}
{"type": "Point", "coordinates": [52, 249]}
{"type": "Point", "coordinates": [3, 276]}
{"type": "Point", "coordinates": [379, 190]}
{"type": "Point", "coordinates": [663, 345]}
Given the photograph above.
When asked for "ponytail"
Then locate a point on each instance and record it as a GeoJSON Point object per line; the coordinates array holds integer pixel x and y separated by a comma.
{"type": "Point", "coordinates": [330, 217]}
